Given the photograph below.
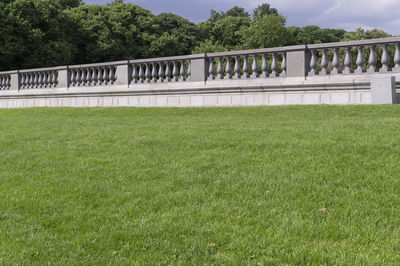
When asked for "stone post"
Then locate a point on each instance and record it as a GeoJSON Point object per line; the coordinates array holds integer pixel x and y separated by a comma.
{"type": "Point", "coordinates": [15, 81]}
{"type": "Point", "coordinates": [63, 78]}
{"type": "Point", "coordinates": [123, 75]}
{"type": "Point", "coordinates": [198, 68]}
{"type": "Point", "coordinates": [298, 62]}
{"type": "Point", "coordinates": [383, 90]}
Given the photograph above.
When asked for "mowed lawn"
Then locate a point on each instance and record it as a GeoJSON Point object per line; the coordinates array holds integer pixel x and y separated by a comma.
{"type": "Point", "coordinates": [237, 186]}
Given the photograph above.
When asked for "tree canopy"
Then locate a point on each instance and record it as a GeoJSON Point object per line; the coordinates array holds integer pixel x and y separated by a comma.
{"type": "Point", "coordinates": [39, 33]}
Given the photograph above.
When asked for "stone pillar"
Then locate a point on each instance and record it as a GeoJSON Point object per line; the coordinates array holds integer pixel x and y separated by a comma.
{"type": "Point", "coordinates": [63, 78]}
{"type": "Point", "coordinates": [383, 90]}
{"type": "Point", "coordinates": [15, 81]}
{"type": "Point", "coordinates": [298, 63]}
{"type": "Point", "coordinates": [199, 69]}
{"type": "Point", "coordinates": [123, 74]}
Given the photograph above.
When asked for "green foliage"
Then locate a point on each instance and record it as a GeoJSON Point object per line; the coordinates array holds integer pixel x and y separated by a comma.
{"type": "Point", "coordinates": [313, 34]}
{"type": "Point", "coordinates": [34, 33]}
{"type": "Point", "coordinates": [233, 12]}
{"type": "Point", "coordinates": [264, 10]}
{"type": "Point", "coordinates": [208, 46]}
{"type": "Point", "coordinates": [40, 33]}
{"type": "Point", "coordinates": [267, 31]}
{"type": "Point", "coordinates": [362, 34]}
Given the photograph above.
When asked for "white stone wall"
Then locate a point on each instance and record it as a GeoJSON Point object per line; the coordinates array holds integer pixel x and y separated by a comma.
{"type": "Point", "coordinates": [198, 100]}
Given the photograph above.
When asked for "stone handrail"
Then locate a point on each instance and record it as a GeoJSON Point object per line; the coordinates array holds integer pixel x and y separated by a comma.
{"type": "Point", "coordinates": [283, 62]}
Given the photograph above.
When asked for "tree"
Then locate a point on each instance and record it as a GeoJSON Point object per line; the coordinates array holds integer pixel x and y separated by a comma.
{"type": "Point", "coordinates": [264, 10]}
{"type": "Point", "coordinates": [34, 33]}
{"type": "Point", "coordinates": [362, 34]}
{"type": "Point", "coordinates": [233, 12]}
{"type": "Point", "coordinates": [313, 34]}
{"type": "Point", "coordinates": [70, 3]}
{"type": "Point", "coordinates": [114, 32]}
{"type": "Point", "coordinates": [178, 36]}
{"type": "Point", "coordinates": [268, 31]}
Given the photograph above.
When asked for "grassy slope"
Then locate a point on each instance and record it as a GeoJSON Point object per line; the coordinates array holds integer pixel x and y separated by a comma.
{"type": "Point", "coordinates": [197, 186]}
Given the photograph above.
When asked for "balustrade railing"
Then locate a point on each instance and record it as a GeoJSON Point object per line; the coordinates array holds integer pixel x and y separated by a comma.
{"type": "Point", "coordinates": [159, 70]}
{"type": "Point", "coordinates": [5, 81]}
{"type": "Point", "coordinates": [92, 75]}
{"type": "Point", "coordinates": [40, 78]}
{"type": "Point", "coordinates": [344, 58]}
{"type": "Point", "coordinates": [248, 64]}
{"type": "Point", "coordinates": [350, 57]}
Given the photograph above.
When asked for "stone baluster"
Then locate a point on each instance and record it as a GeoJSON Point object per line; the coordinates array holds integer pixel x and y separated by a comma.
{"type": "Point", "coordinates": [50, 81]}
{"type": "Point", "coordinates": [189, 69]}
{"type": "Point", "coordinates": [237, 68]}
{"type": "Point", "coordinates": [372, 59]}
{"type": "Point", "coordinates": [55, 78]}
{"type": "Point", "coordinates": [211, 69]}
{"type": "Point", "coordinates": [46, 78]}
{"type": "Point", "coordinates": [397, 58]}
{"type": "Point", "coordinates": [79, 77]}
{"type": "Point", "coordinates": [106, 75]}
{"type": "Point", "coordinates": [264, 66]}
{"type": "Point", "coordinates": [89, 77]}
{"type": "Point", "coordinates": [336, 62]}
{"type": "Point", "coordinates": [141, 73]}
{"type": "Point", "coordinates": [274, 66]}
{"type": "Point", "coordinates": [31, 80]}
{"type": "Point", "coordinates": [360, 61]}
{"type": "Point", "coordinates": [182, 71]}
{"type": "Point", "coordinates": [41, 79]}
{"type": "Point", "coordinates": [23, 81]}
{"type": "Point", "coordinates": [1, 82]}
{"type": "Point", "coordinates": [101, 75]}
{"type": "Point", "coordinates": [147, 73]}
{"type": "Point", "coordinates": [95, 76]}
{"type": "Point", "coordinates": [246, 66]}
{"type": "Point", "coordinates": [385, 59]}
{"type": "Point", "coordinates": [35, 80]}
{"type": "Point", "coordinates": [161, 73]}
{"type": "Point", "coordinates": [73, 77]}
{"type": "Point", "coordinates": [175, 71]}
{"type": "Point", "coordinates": [84, 75]}
{"type": "Point", "coordinates": [348, 62]}
{"type": "Point", "coordinates": [113, 77]}
{"type": "Point", "coordinates": [135, 73]}
{"type": "Point", "coordinates": [324, 63]}
{"type": "Point", "coordinates": [313, 64]}
{"type": "Point", "coordinates": [154, 72]}
{"type": "Point", "coordinates": [220, 68]}
{"type": "Point", "coordinates": [168, 71]}
{"type": "Point", "coordinates": [228, 68]}
{"type": "Point", "coordinates": [254, 67]}
{"type": "Point", "coordinates": [284, 65]}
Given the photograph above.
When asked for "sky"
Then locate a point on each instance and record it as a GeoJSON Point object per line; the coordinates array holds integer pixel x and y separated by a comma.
{"type": "Point", "coordinates": [338, 14]}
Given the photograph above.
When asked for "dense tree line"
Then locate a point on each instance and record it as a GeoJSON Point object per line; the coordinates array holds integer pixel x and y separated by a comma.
{"type": "Point", "coordinates": [38, 33]}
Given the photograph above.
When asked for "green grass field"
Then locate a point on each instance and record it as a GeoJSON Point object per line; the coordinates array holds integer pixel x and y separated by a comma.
{"type": "Point", "coordinates": [278, 185]}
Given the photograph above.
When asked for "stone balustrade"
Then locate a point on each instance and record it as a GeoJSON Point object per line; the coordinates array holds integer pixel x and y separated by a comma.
{"type": "Point", "coordinates": [303, 61]}
{"type": "Point", "coordinates": [161, 70]}
{"type": "Point", "coordinates": [38, 78]}
{"type": "Point", "coordinates": [353, 59]}
{"type": "Point", "coordinates": [248, 64]}
{"type": "Point", "coordinates": [90, 75]}
{"type": "Point", "coordinates": [5, 81]}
